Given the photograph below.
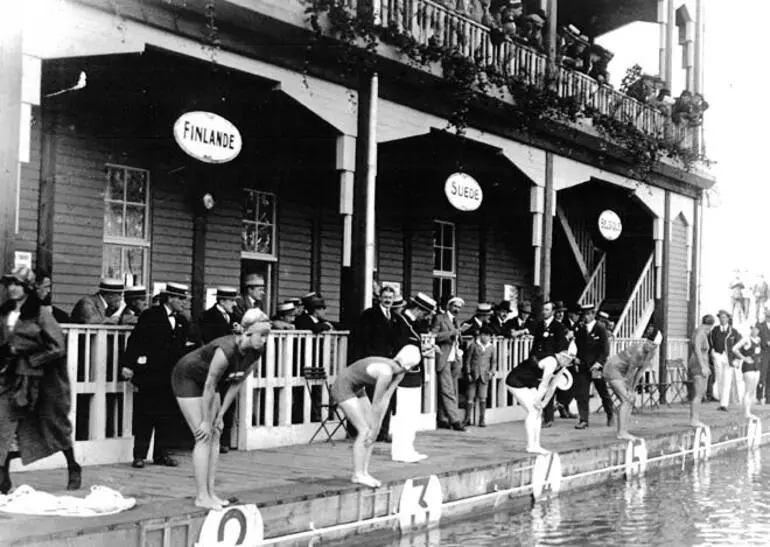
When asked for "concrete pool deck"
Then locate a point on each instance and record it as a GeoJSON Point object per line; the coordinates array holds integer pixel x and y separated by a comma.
{"type": "Point", "coordinates": [303, 492]}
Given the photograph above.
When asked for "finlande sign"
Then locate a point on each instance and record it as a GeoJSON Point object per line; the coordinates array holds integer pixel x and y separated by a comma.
{"type": "Point", "coordinates": [609, 225]}
{"type": "Point", "coordinates": [463, 192]}
{"type": "Point", "coordinates": [207, 137]}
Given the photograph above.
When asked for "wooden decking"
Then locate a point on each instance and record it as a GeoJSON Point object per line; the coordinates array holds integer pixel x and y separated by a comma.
{"type": "Point", "coordinates": [268, 476]}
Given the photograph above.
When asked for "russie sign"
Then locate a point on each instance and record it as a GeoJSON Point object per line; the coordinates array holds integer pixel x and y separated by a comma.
{"type": "Point", "coordinates": [207, 137]}
{"type": "Point", "coordinates": [609, 225]}
{"type": "Point", "coordinates": [463, 192]}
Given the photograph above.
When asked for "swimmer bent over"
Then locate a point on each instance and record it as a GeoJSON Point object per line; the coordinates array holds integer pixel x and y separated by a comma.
{"type": "Point", "coordinates": [348, 390]}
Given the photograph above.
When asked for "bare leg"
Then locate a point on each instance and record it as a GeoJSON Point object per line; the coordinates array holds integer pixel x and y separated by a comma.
{"type": "Point", "coordinates": [533, 422]}
{"type": "Point", "coordinates": [355, 410]}
{"type": "Point", "coordinates": [192, 410]}
{"type": "Point", "coordinates": [750, 379]}
{"type": "Point", "coordinates": [699, 388]}
{"type": "Point", "coordinates": [624, 413]}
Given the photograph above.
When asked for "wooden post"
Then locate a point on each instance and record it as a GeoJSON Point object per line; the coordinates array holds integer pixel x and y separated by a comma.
{"type": "Point", "coordinates": [483, 241]}
{"type": "Point", "coordinates": [664, 316]}
{"type": "Point", "coordinates": [670, 41]}
{"type": "Point", "coordinates": [697, 236]}
{"type": "Point", "coordinates": [46, 196]}
{"type": "Point", "coordinates": [198, 289]}
{"type": "Point", "coordinates": [10, 131]}
{"type": "Point", "coordinates": [698, 62]}
{"type": "Point", "coordinates": [548, 214]}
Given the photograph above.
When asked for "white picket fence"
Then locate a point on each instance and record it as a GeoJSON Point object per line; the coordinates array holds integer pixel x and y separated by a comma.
{"type": "Point", "coordinates": [275, 406]}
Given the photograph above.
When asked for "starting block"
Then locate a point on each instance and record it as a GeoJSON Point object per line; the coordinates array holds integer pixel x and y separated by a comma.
{"type": "Point", "coordinates": [636, 458]}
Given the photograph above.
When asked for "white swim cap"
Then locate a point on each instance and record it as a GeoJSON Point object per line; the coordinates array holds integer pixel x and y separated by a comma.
{"type": "Point", "coordinates": [255, 319]}
{"type": "Point", "coordinates": [409, 356]}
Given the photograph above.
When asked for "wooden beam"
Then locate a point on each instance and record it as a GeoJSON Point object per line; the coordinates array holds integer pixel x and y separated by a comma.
{"type": "Point", "coordinates": [47, 192]}
{"type": "Point", "coordinates": [573, 245]}
{"type": "Point", "coordinates": [10, 131]}
{"type": "Point", "coordinates": [198, 288]}
{"type": "Point", "coordinates": [550, 198]}
{"type": "Point", "coordinates": [664, 315]}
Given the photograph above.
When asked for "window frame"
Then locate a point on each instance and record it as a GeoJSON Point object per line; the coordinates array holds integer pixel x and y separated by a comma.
{"type": "Point", "coordinates": [145, 243]}
{"type": "Point", "coordinates": [253, 255]}
{"type": "Point", "coordinates": [446, 274]}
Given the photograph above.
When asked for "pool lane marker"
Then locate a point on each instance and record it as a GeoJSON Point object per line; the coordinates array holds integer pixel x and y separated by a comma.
{"type": "Point", "coordinates": [546, 476]}
{"type": "Point", "coordinates": [754, 433]}
{"type": "Point", "coordinates": [636, 458]}
{"type": "Point", "coordinates": [420, 503]}
{"type": "Point", "coordinates": [701, 447]}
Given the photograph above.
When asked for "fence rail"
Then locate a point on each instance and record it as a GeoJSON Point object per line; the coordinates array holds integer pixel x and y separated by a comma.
{"type": "Point", "coordinates": [275, 405]}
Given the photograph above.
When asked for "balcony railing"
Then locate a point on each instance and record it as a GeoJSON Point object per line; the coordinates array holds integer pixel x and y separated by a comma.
{"type": "Point", "coordinates": [429, 22]}
{"type": "Point", "coordinates": [275, 405]}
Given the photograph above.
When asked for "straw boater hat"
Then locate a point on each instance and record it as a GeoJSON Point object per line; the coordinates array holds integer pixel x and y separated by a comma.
{"type": "Point", "coordinates": [604, 315]}
{"type": "Point", "coordinates": [588, 307]}
{"type": "Point", "coordinates": [296, 301]}
{"type": "Point", "coordinates": [286, 307]}
{"type": "Point", "coordinates": [227, 293]}
{"type": "Point", "coordinates": [111, 285]}
{"type": "Point", "coordinates": [137, 291]}
{"type": "Point", "coordinates": [456, 300]}
{"type": "Point", "coordinates": [176, 289]}
{"type": "Point", "coordinates": [424, 302]}
{"type": "Point", "coordinates": [484, 308]}
{"type": "Point", "coordinates": [254, 280]}
{"type": "Point", "coordinates": [315, 303]}
{"type": "Point", "coordinates": [398, 302]}
{"type": "Point", "coordinates": [21, 275]}
{"type": "Point", "coordinates": [308, 297]}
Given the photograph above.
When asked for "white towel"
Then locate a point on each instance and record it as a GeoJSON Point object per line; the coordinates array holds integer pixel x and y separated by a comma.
{"type": "Point", "coordinates": [101, 501]}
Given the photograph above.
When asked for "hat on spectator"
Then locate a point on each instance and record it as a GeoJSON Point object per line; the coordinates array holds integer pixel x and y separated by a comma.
{"type": "Point", "coordinates": [587, 307]}
{"type": "Point", "coordinates": [111, 285]}
{"type": "Point", "coordinates": [398, 302]}
{"type": "Point", "coordinates": [725, 313]}
{"type": "Point", "coordinates": [176, 289]}
{"type": "Point", "coordinates": [286, 307]}
{"type": "Point", "coordinates": [254, 280]}
{"type": "Point", "coordinates": [456, 300]}
{"type": "Point", "coordinates": [604, 315]}
{"type": "Point", "coordinates": [559, 306]}
{"type": "Point", "coordinates": [295, 301]}
{"type": "Point", "coordinates": [423, 301]}
{"type": "Point", "coordinates": [227, 293]}
{"type": "Point", "coordinates": [504, 305]}
{"type": "Point", "coordinates": [137, 291]}
{"type": "Point", "coordinates": [484, 307]}
{"type": "Point", "coordinates": [525, 307]}
{"type": "Point", "coordinates": [315, 303]}
{"type": "Point", "coordinates": [538, 17]}
{"type": "Point", "coordinates": [21, 275]}
{"type": "Point", "coordinates": [308, 297]}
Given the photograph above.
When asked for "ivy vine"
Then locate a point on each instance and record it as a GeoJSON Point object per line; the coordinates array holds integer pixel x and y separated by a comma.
{"type": "Point", "coordinates": [465, 79]}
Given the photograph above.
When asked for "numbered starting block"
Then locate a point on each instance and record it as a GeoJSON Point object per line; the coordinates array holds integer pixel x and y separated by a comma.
{"type": "Point", "coordinates": [232, 526]}
{"type": "Point", "coordinates": [754, 433]}
{"type": "Point", "coordinates": [420, 503]}
{"type": "Point", "coordinates": [546, 476]}
{"type": "Point", "coordinates": [636, 458]}
{"type": "Point", "coordinates": [701, 446]}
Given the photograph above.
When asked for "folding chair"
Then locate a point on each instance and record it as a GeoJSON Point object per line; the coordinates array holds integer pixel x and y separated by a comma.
{"type": "Point", "coordinates": [316, 376]}
{"type": "Point", "coordinates": [677, 383]}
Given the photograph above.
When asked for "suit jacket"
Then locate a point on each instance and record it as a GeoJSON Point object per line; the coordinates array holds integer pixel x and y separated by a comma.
{"type": "Point", "coordinates": [480, 361]}
{"type": "Point", "coordinates": [154, 348]}
{"type": "Point", "coordinates": [242, 304]}
{"type": "Point", "coordinates": [593, 347]}
{"type": "Point", "coordinates": [764, 337]}
{"type": "Point", "coordinates": [443, 327]}
{"type": "Point", "coordinates": [90, 310]}
{"type": "Point", "coordinates": [128, 317]}
{"type": "Point", "coordinates": [212, 325]}
{"type": "Point", "coordinates": [517, 324]}
{"type": "Point", "coordinates": [373, 335]}
{"type": "Point", "coordinates": [498, 327]}
{"type": "Point", "coordinates": [475, 327]}
{"type": "Point", "coordinates": [305, 322]}
{"type": "Point", "coordinates": [548, 341]}
{"type": "Point", "coordinates": [406, 333]}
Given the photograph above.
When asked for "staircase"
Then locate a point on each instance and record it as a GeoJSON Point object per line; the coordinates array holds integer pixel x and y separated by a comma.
{"type": "Point", "coordinates": [586, 253]}
{"type": "Point", "coordinates": [596, 288]}
{"type": "Point", "coordinates": [640, 306]}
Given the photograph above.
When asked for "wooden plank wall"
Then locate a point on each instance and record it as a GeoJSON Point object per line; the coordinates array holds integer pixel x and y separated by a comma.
{"type": "Point", "coordinates": [26, 239]}
{"type": "Point", "coordinates": [223, 239]}
{"type": "Point", "coordinates": [295, 229]}
{"type": "Point", "coordinates": [677, 280]}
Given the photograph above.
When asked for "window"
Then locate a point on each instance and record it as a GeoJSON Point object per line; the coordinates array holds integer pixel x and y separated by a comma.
{"type": "Point", "coordinates": [126, 224]}
{"type": "Point", "coordinates": [444, 251]}
{"type": "Point", "coordinates": [258, 233]}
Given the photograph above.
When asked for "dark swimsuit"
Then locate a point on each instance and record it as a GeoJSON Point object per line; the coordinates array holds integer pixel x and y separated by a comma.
{"type": "Point", "coordinates": [526, 375]}
{"type": "Point", "coordinates": [351, 381]}
{"type": "Point", "coordinates": [190, 373]}
{"type": "Point", "coordinates": [754, 351]}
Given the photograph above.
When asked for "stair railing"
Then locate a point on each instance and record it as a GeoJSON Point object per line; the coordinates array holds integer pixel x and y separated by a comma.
{"type": "Point", "coordinates": [596, 289]}
{"type": "Point", "coordinates": [638, 303]}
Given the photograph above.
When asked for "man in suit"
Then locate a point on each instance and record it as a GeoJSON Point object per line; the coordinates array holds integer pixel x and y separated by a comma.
{"type": "Point", "coordinates": [550, 338]}
{"type": "Point", "coordinates": [215, 322]}
{"type": "Point", "coordinates": [102, 308]}
{"type": "Point", "coordinates": [253, 295]}
{"type": "Point", "coordinates": [521, 325]}
{"type": "Point", "coordinates": [722, 338]}
{"type": "Point", "coordinates": [409, 391]}
{"type": "Point", "coordinates": [156, 344]}
{"type": "Point", "coordinates": [449, 363]}
{"type": "Point", "coordinates": [480, 318]}
{"type": "Point", "coordinates": [593, 348]}
{"type": "Point", "coordinates": [564, 398]}
{"type": "Point", "coordinates": [314, 318]}
{"type": "Point", "coordinates": [373, 335]}
{"type": "Point", "coordinates": [499, 319]}
{"type": "Point", "coordinates": [763, 393]}
{"type": "Point", "coordinates": [284, 316]}
{"type": "Point", "coordinates": [136, 303]}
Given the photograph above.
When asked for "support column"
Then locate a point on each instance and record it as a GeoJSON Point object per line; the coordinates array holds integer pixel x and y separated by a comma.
{"type": "Point", "coordinates": [697, 231]}
{"type": "Point", "coordinates": [663, 317]}
{"type": "Point", "coordinates": [552, 12]}
{"type": "Point", "coordinates": [46, 196]}
{"type": "Point", "coordinates": [197, 284]}
{"type": "Point", "coordinates": [698, 63]}
{"type": "Point", "coordinates": [483, 258]}
{"type": "Point", "coordinates": [687, 41]}
{"type": "Point", "coordinates": [358, 292]}
{"type": "Point", "coordinates": [662, 24]}
{"type": "Point", "coordinates": [10, 131]}
{"type": "Point", "coordinates": [536, 207]}
{"type": "Point", "coordinates": [548, 214]}
{"type": "Point", "coordinates": [670, 41]}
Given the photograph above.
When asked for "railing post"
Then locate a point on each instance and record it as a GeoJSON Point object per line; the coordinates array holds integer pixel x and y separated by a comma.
{"type": "Point", "coordinates": [98, 379]}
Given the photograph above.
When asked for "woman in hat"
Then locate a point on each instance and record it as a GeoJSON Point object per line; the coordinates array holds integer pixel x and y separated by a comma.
{"type": "Point", "coordinates": [623, 372]}
{"type": "Point", "coordinates": [195, 379]}
{"type": "Point", "coordinates": [749, 352]}
{"type": "Point", "coordinates": [349, 392]}
{"type": "Point", "coordinates": [34, 386]}
{"type": "Point", "coordinates": [532, 383]}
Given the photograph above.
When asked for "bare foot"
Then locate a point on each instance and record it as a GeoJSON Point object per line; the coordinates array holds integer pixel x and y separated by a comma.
{"type": "Point", "coordinates": [220, 501]}
{"type": "Point", "coordinates": [366, 481]}
{"type": "Point", "coordinates": [537, 450]}
{"type": "Point", "coordinates": [697, 423]}
{"type": "Point", "coordinates": [374, 481]}
{"type": "Point", "coordinates": [626, 436]}
{"type": "Point", "coordinates": [208, 503]}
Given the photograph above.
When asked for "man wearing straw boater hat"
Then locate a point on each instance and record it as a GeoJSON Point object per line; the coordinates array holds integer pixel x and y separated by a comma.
{"type": "Point", "coordinates": [217, 321]}
{"type": "Point", "coordinates": [101, 308]}
{"type": "Point", "coordinates": [154, 347]}
{"type": "Point", "coordinates": [409, 391]}
{"type": "Point", "coordinates": [136, 303]}
{"type": "Point", "coordinates": [284, 317]}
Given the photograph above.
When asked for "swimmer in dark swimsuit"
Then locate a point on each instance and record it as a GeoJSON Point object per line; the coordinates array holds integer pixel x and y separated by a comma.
{"type": "Point", "coordinates": [749, 351]}
{"type": "Point", "coordinates": [195, 379]}
{"type": "Point", "coordinates": [348, 390]}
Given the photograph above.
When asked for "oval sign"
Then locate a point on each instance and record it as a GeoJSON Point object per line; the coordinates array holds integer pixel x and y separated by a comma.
{"type": "Point", "coordinates": [463, 192]}
{"type": "Point", "coordinates": [609, 225]}
{"type": "Point", "coordinates": [207, 137]}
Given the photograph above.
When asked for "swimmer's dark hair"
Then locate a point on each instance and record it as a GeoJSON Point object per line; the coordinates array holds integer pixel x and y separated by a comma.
{"type": "Point", "coordinates": [708, 319]}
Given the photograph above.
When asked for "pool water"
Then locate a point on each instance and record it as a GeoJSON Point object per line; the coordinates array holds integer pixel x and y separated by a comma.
{"type": "Point", "coordinates": [724, 501]}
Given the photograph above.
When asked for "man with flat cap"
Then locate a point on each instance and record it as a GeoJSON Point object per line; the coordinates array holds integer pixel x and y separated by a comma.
{"type": "Point", "coordinates": [449, 363]}
{"type": "Point", "coordinates": [157, 342]}
{"type": "Point", "coordinates": [593, 348]}
{"type": "Point", "coordinates": [136, 303]}
{"type": "Point", "coordinates": [523, 324]}
{"type": "Point", "coordinates": [102, 308]}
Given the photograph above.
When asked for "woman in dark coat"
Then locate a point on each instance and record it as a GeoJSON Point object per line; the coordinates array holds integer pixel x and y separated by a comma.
{"type": "Point", "coordinates": [34, 387]}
